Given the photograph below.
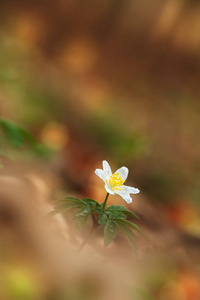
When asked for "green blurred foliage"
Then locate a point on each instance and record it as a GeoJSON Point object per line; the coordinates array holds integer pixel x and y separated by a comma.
{"type": "Point", "coordinates": [19, 283]}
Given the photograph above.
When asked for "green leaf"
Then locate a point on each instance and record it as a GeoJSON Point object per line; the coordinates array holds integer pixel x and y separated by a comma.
{"type": "Point", "coordinates": [52, 213]}
{"type": "Point", "coordinates": [71, 200]}
{"type": "Point", "coordinates": [42, 150]}
{"type": "Point", "coordinates": [67, 204]}
{"type": "Point", "coordinates": [133, 226]}
{"type": "Point", "coordinates": [116, 215]}
{"type": "Point", "coordinates": [81, 218]}
{"type": "Point", "coordinates": [58, 209]}
{"type": "Point", "coordinates": [116, 208]}
{"type": "Point", "coordinates": [99, 209]}
{"type": "Point", "coordinates": [125, 229]}
{"type": "Point", "coordinates": [12, 132]}
{"type": "Point", "coordinates": [127, 232]}
{"type": "Point", "coordinates": [92, 203]}
{"type": "Point", "coordinates": [103, 218]}
{"type": "Point", "coordinates": [121, 209]}
{"type": "Point", "coordinates": [68, 199]}
{"type": "Point", "coordinates": [18, 137]}
{"type": "Point", "coordinates": [110, 232]}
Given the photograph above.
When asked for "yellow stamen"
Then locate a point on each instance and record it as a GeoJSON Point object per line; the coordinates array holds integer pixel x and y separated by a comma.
{"type": "Point", "coordinates": [115, 181]}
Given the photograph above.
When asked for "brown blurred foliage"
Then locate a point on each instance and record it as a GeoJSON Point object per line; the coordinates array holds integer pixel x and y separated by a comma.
{"type": "Point", "coordinates": [94, 80]}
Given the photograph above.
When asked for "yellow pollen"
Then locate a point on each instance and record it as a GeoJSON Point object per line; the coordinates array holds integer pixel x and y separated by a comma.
{"type": "Point", "coordinates": [115, 181]}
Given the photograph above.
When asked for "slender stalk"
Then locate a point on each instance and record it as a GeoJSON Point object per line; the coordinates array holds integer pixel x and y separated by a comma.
{"type": "Point", "coordinates": [95, 226]}
{"type": "Point", "coordinates": [105, 201]}
{"type": "Point", "coordinates": [84, 242]}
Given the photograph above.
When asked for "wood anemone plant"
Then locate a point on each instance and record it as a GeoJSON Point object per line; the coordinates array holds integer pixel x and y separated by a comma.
{"type": "Point", "coordinates": [113, 218]}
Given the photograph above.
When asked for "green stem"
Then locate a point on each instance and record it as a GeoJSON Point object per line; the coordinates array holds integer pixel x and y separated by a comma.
{"type": "Point", "coordinates": [105, 201]}
{"type": "Point", "coordinates": [95, 226]}
{"type": "Point", "coordinates": [84, 242]}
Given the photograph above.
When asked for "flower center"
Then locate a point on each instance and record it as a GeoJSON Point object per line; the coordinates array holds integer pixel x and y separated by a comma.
{"type": "Point", "coordinates": [115, 181]}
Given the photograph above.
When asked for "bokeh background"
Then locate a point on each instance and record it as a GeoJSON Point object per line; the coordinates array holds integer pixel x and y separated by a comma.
{"type": "Point", "coordinates": [94, 80]}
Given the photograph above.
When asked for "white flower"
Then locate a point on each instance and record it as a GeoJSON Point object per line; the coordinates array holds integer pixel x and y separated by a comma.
{"type": "Point", "coordinates": [114, 183]}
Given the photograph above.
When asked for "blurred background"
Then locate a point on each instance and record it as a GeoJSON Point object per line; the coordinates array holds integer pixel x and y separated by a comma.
{"type": "Point", "coordinates": [94, 80]}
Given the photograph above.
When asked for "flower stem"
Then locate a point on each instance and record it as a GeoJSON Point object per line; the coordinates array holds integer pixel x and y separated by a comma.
{"type": "Point", "coordinates": [105, 201]}
{"type": "Point", "coordinates": [86, 240]}
{"type": "Point", "coordinates": [95, 226]}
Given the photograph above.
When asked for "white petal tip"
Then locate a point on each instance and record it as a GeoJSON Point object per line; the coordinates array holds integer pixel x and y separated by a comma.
{"type": "Point", "coordinates": [129, 201]}
{"type": "Point", "coordinates": [105, 163]}
{"type": "Point", "coordinates": [134, 191]}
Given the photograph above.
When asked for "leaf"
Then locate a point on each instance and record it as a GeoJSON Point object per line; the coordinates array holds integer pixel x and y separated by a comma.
{"type": "Point", "coordinates": [69, 205]}
{"type": "Point", "coordinates": [39, 148]}
{"type": "Point", "coordinates": [103, 218]}
{"type": "Point", "coordinates": [128, 233]}
{"type": "Point", "coordinates": [52, 213]}
{"type": "Point", "coordinates": [68, 199]}
{"type": "Point", "coordinates": [116, 208]}
{"type": "Point", "coordinates": [99, 209]}
{"type": "Point", "coordinates": [71, 200]}
{"type": "Point", "coordinates": [12, 132]}
{"type": "Point", "coordinates": [18, 137]}
{"type": "Point", "coordinates": [81, 218]}
{"type": "Point", "coordinates": [110, 232]}
{"type": "Point", "coordinates": [121, 209]}
{"type": "Point", "coordinates": [116, 215]}
{"type": "Point", "coordinates": [42, 150]}
{"type": "Point", "coordinates": [133, 226]}
{"type": "Point", "coordinates": [66, 204]}
{"type": "Point", "coordinates": [92, 203]}
{"type": "Point", "coordinates": [124, 228]}
{"type": "Point", "coordinates": [58, 210]}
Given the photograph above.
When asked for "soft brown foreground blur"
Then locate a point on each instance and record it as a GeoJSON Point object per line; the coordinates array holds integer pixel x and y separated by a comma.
{"type": "Point", "coordinates": [114, 80]}
{"type": "Point", "coordinates": [39, 260]}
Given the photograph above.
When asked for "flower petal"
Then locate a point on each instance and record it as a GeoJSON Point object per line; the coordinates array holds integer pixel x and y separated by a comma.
{"type": "Point", "coordinates": [100, 173]}
{"type": "Point", "coordinates": [124, 195]}
{"type": "Point", "coordinates": [123, 173]}
{"type": "Point", "coordinates": [125, 192]}
{"type": "Point", "coordinates": [108, 190]}
{"type": "Point", "coordinates": [129, 189]}
{"type": "Point", "coordinates": [106, 169]}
